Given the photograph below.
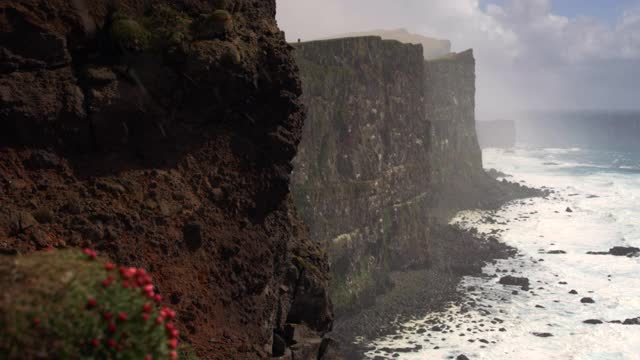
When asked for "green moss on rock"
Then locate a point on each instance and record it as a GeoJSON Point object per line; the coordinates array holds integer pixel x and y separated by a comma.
{"type": "Point", "coordinates": [169, 27]}
{"type": "Point", "coordinates": [129, 35]}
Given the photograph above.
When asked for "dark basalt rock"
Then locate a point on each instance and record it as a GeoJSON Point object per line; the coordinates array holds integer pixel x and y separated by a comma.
{"type": "Point", "coordinates": [569, 210]}
{"type": "Point", "coordinates": [556, 252]}
{"type": "Point", "coordinates": [635, 321]}
{"type": "Point", "coordinates": [593, 322]}
{"type": "Point", "coordinates": [514, 281]}
{"type": "Point", "coordinates": [624, 251]}
{"type": "Point", "coordinates": [618, 251]}
{"type": "Point", "coordinates": [587, 300]}
{"type": "Point", "coordinates": [542, 335]}
{"type": "Point", "coordinates": [573, 292]}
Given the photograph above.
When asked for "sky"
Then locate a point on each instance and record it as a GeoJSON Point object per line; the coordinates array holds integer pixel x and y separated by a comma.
{"type": "Point", "coordinates": [531, 54]}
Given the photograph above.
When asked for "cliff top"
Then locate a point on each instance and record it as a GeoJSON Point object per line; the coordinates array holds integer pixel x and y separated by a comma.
{"type": "Point", "coordinates": [433, 48]}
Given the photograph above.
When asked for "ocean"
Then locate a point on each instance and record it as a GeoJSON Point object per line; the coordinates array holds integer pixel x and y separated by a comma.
{"type": "Point", "coordinates": [602, 191]}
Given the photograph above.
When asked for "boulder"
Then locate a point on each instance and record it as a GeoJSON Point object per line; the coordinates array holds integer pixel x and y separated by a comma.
{"type": "Point", "coordinates": [514, 281]}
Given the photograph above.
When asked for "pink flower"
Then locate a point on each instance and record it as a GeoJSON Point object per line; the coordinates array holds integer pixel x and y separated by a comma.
{"type": "Point", "coordinates": [173, 355]}
{"type": "Point", "coordinates": [109, 266]}
{"type": "Point", "coordinates": [168, 313]}
{"type": "Point", "coordinates": [172, 343]}
{"type": "Point", "coordinates": [148, 357]}
{"type": "Point", "coordinates": [91, 303]}
{"type": "Point", "coordinates": [112, 327]}
{"type": "Point", "coordinates": [122, 317]}
{"type": "Point", "coordinates": [159, 320]}
{"type": "Point", "coordinates": [95, 342]}
{"type": "Point", "coordinates": [158, 298]}
{"type": "Point", "coordinates": [174, 333]}
{"type": "Point", "coordinates": [111, 343]}
{"type": "Point", "coordinates": [146, 307]}
{"type": "Point", "coordinates": [36, 321]}
{"type": "Point", "coordinates": [91, 253]}
{"type": "Point", "coordinates": [145, 316]}
{"type": "Point", "coordinates": [106, 282]}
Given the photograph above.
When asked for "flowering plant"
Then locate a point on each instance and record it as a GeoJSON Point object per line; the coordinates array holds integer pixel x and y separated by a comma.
{"type": "Point", "coordinates": [69, 304]}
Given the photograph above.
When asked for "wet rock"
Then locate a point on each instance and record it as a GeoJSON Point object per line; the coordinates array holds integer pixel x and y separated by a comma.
{"type": "Point", "coordinates": [462, 357]}
{"type": "Point", "coordinates": [618, 251]}
{"type": "Point", "coordinates": [587, 300]}
{"type": "Point", "coordinates": [624, 251]}
{"type": "Point", "coordinates": [593, 322]}
{"type": "Point", "coordinates": [514, 281]}
{"type": "Point", "coordinates": [569, 210]}
{"type": "Point", "coordinates": [543, 335]}
{"type": "Point", "coordinates": [556, 252]}
{"type": "Point", "coordinates": [635, 321]}
{"type": "Point", "coordinates": [573, 292]}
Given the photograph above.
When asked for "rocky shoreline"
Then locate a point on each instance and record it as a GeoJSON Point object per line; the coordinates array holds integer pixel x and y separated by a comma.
{"type": "Point", "coordinates": [438, 287]}
{"type": "Point", "coordinates": [456, 252]}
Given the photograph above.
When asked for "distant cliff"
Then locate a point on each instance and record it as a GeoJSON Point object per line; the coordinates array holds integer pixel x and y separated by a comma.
{"type": "Point", "coordinates": [497, 134]}
{"type": "Point", "coordinates": [431, 48]}
{"type": "Point", "coordinates": [361, 177]}
{"type": "Point", "coordinates": [389, 151]}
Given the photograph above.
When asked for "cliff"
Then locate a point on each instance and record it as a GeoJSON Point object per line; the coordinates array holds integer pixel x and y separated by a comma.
{"type": "Point", "coordinates": [431, 48]}
{"type": "Point", "coordinates": [497, 134]}
{"type": "Point", "coordinates": [389, 152]}
{"type": "Point", "coordinates": [360, 179]}
{"type": "Point", "coordinates": [161, 133]}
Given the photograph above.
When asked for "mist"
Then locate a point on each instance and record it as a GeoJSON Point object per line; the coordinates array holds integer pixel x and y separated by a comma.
{"type": "Point", "coordinates": [529, 57]}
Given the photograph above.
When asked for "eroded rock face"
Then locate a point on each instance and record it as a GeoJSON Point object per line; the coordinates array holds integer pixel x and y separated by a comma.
{"type": "Point", "coordinates": [389, 149]}
{"type": "Point", "coordinates": [174, 156]}
{"type": "Point", "coordinates": [361, 178]}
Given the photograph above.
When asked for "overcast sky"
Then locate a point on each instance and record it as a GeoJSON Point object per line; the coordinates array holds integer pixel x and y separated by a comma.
{"type": "Point", "coordinates": [531, 54]}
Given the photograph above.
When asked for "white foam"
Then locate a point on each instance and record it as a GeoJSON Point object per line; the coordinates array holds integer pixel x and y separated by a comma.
{"type": "Point", "coordinates": [605, 214]}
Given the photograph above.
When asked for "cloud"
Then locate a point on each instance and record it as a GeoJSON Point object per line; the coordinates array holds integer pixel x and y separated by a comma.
{"type": "Point", "coordinates": [527, 56]}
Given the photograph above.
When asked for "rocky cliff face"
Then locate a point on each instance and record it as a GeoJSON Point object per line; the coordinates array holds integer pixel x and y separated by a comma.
{"type": "Point", "coordinates": [161, 133]}
{"type": "Point", "coordinates": [431, 48]}
{"type": "Point", "coordinates": [389, 150]}
{"type": "Point", "coordinates": [361, 179]}
{"type": "Point", "coordinates": [458, 180]}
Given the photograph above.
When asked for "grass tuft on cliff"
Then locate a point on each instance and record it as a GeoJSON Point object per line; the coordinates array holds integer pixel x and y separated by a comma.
{"type": "Point", "coordinates": [129, 35]}
{"type": "Point", "coordinates": [69, 304]}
